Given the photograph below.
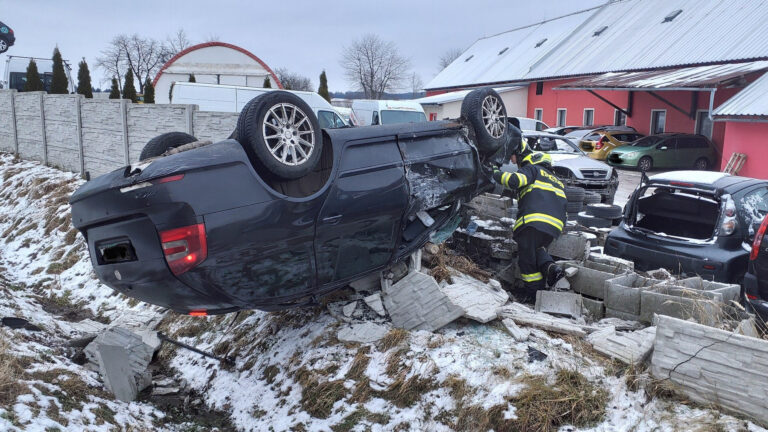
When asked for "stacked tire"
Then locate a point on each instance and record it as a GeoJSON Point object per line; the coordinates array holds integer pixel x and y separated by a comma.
{"type": "Point", "coordinates": [599, 215]}
{"type": "Point", "coordinates": [575, 197]}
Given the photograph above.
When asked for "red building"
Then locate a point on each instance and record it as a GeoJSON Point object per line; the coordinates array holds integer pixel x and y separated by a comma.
{"type": "Point", "coordinates": [655, 65]}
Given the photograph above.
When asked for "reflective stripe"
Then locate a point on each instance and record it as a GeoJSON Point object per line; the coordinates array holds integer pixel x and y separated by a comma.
{"type": "Point", "coordinates": [539, 217]}
{"type": "Point", "coordinates": [522, 180]}
{"type": "Point", "coordinates": [505, 179]}
{"type": "Point", "coordinates": [532, 277]}
{"type": "Point", "coordinates": [543, 186]}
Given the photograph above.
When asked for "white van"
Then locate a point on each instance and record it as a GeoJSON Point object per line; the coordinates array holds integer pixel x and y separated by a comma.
{"type": "Point", "coordinates": [16, 72]}
{"type": "Point", "coordinates": [375, 112]}
{"type": "Point", "coordinates": [226, 98]}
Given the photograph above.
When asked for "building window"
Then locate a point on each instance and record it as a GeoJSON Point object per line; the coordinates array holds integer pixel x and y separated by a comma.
{"type": "Point", "coordinates": [539, 87]}
{"type": "Point", "coordinates": [619, 118]}
{"type": "Point", "coordinates": [561, 116]}
{"type": "Point", "coordinates": [703, 124]}
{"type": "Point", "coordinates": [538, 114]}
{"type": "Point", "coordinates": [589, 116]}
{"type": "Point", "coordinates": [658, 121]}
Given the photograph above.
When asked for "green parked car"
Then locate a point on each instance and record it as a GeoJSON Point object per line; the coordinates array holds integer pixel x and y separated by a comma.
{"type": "Point", "coordinates": [667, 150]}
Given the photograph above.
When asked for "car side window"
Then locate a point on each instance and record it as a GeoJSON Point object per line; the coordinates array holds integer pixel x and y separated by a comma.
{"type": "Point", "coordinates": [375, 119]}
{"type": "Point", "coordinates": [754, 206]}
{"type": "Point", "coordinates": [325, 119]}
{"type": "Point", "coordinates": [338, 121]}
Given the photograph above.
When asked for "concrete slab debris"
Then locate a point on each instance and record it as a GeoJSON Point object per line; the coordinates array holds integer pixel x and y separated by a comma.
{"type": "Point", "coordinates": [365, 332]}
{"type": "Point", "coordinates": [121, 357]}
{"type": "Point", "coordinates": [479, 300]}
{"type": "Point", "coordinates": [88, 327]}
{"type": "Point", "coordinates": [349, 309]}
{"type": "Point", "coordinates": [727, 292]}
{"type": "Point", "coordinates": [165, 391]}
{"type": "Point", "coordinates": [518, 333]}
{"type": "Point", "coordinates": [558, 303]}
{"type": "Point", "coordinates": [417, 303]}
{"type": "Point", "coordinates": [525, 316]}
{"type": "Point", "coordinates": [613, 313]}
{"type": "Point", "coordinates": [562, 285]}
{"type": "Point", "coordinates": [631, 347]}
{"type": "Point", "coordinates": [660, 273]}
{"type": "Point", "coordinates": [374, 302]}
{"type": "Point", "coordinates": [702, 306]}
{"type": "Point", "coordinates": [713, 366]}
{"type": "Point", "coordinates": [611, 261]}
{"type": "Point", "coordinates": [595, 308]}
{"type": "Point", "coordinates": [747, 327]}
{"type": "Point", "coordinates": [570, 246]}
{"type": "Point", "coordinates": [623, 292]}
{"type": "Point", "coordinates": [571, 272]}
{"type": "Point", "coordinates": [590, 278]}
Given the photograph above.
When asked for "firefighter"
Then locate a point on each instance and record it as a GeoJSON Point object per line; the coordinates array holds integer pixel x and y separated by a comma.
{"type": "Point", "coordinates": [541, 216]}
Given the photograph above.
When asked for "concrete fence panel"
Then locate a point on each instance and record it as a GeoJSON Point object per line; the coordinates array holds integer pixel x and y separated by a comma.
{"type": "Point", "coordinates": [7, 121]}
{"type": "Point", "coordinates": [103, 135]}
{"type": "Point", "coordinates": [62, 131]}
{"type": "Point", "coordinates": [147, 121]}
{"type": "Point", "coordinates": [214, 126]}
{"type": "Point", "coordinates": [29, 125]}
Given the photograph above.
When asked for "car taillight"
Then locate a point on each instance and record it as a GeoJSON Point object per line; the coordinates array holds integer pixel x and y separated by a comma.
{"type": "Point", "coordinates": [185, 247]}
{"type": "Point", "coordinates": [758, 239]}
{"type": "Point", "coordinates": [603, 140]}
{"type": "Point", "coordinates": [728, 225]}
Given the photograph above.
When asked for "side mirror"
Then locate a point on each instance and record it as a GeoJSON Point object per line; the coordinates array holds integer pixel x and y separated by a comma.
{"type": "Point", "coordinates": [663, 148]}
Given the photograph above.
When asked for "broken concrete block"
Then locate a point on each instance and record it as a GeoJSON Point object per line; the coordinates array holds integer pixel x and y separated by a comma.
{"type": "Point", "coordinates": [349, 309]}
{"type": "Point", "coordinates": [479, 300]}
{"type": "Point", "coordinates": [590, 278]}
{"type": "Point", "coordinates": [150, 338]}
{"type": "Point", "coordinates": [595, 308]}
{"type": "Point", "coordinates": [661, 273]}
{"type": "Point", "coordinates": [519, 334]}
{"type": "Point", "coordinates": [88, 327]}
{"type": "Point", "coordinates": [571, 272]}
{"type": "Point", "coordinates": [702, 306]}
{"type": "Point", "coordinates": [728, 292]}
{"type": "Point", "coordinates": [417, 303]}
{"type": "Point", "coordinates": [370, 283]}
{"type": "Point", "coordinates": [525, 316]}
{"type": "Point", "coordinates": [569, 246]}
{"type": "Point", "coordinates": [623, 293]}
{"type": "Point", "coordinates": [561, 285]}
{"type": "Point", "coordinates": [612, 261]}
{"type": "Point", "coordinates": [558, 303]}
{"type": "Point", "coordinates": [165, 391]}
{"type": "Point", "coordinates": [613, 313]}
{"type": "Point", "coordinates": [631, 348]}
{"type": "Point", "coordinates": [713, 366]}
{"type": "Point", "coordinates": [747, 327]}
{"type": "Point", "coordinates": [374, 302]}
{"type": "Point", "coordinates": [122, 359]}
{"type": "Point", "coordinates": [365, 332]}
{"type": "Point", "coordinates": [117, 373]}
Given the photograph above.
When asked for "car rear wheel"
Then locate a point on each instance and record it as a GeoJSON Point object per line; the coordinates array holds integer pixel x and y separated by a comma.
{"type": "Point", "coordinates": [160, 144]}
{"type": "Point", "coordinates": [645, 163]}
{"type": "Point", "coordinates": [701, 164]}
{"type": "Point", "coordinates": [484, 110]}
{"type": "Point", "coordinates": [3, 46]}
{"type": "Point", "coordinates": [279, 132]}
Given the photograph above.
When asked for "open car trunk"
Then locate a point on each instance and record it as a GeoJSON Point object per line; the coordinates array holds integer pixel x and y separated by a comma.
{"type": "Point", "coordinates": [678, 213]}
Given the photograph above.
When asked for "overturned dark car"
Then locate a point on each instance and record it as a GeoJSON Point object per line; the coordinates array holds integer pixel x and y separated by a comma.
{"type": "Point", "coordinates": [284, 212]}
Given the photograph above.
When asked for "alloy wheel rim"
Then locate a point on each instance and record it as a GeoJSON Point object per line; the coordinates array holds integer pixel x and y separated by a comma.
{"type": "Point", "coordinates": [288, 134]}
{"type": "Point", "coordinates": [493, 116]}
{"type": "Point", "coordinates": [3, 45]}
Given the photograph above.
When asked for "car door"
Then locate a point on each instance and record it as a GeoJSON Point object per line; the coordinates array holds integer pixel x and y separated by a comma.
{"type": "Point", "coordinates": [686, 153]}
{"type": "Point", "coordinates": [664, 153]}
{"type": "Point", "coordinates": [360, 219]}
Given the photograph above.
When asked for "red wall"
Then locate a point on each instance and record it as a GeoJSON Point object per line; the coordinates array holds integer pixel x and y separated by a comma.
{"type": "Point", "coordinates": [747, 138]}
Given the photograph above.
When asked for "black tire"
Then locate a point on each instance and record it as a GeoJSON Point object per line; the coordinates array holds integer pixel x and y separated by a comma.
{"type": "Point", "coordinates": [574, 194]}
{"type": "Point", "coordinates": [701, 164]}
{"type": "Point", "coordinates": [160, 144]}
{"type": "Point", "coordinates": [645, 163]}
{"type": "Point", "coordinates": [573, 216]}
{"type": "Point", "coordinates": [593, 222]}
{"type": "Point", "coordinates": [591, 197]}
{"type": "Point", "coordinates": [604, 211]}
{"type": "Point", "coordinates": [490, 133]}
{"type": "Point", "coordinates": [296, 138]}
{"type": "Point", "coordinates": [574, 206]}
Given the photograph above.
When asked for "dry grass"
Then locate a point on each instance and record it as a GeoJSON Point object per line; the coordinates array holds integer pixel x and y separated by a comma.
{"type": "Point", "coordinates": [11, 373]}
{"type": "Point", "coordinates": [442, 263]}
{"type": "Point", "coordinates": [394, 360]}
{"type": "Point", "coordinates": [393, 338]}
{"type": "Point", "coordinates": [572, 400]}
{"type": "Point", "coordinates": [318, 397]}
{"type": "Point", "coordinates": [405, 392]}
{"type": "Point", "coordinates": [359, 363]}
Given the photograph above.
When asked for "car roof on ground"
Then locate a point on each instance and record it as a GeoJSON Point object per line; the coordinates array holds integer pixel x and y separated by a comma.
{"type": "Point", "coordinates": [711, 179]}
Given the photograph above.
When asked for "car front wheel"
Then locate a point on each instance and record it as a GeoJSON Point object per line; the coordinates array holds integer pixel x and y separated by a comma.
{"type": "Point", "coordinates": [3, 46]}
{"type": "Point", "coordinates": [486, 114]}
{"type": "Point", "coordinates": [701, 164]}
{"type": "Point", "coordinates": [645, 163]}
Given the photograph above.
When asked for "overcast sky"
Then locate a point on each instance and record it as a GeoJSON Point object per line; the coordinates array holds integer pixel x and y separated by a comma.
{"type": "Point", "coordinates": [305, 36]}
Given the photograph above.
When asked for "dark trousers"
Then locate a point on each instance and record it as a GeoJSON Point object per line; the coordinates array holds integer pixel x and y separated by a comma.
{"type": "Point", "coordinates": [533, 259]}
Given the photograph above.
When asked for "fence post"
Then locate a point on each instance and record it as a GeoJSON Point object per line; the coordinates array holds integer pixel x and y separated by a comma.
{"type": "Point", "coordinates": [42, 125]}
{"type": "Point", "coordinates": [124, 118]}
{"type": "Point", "coordinates": [79, 125]}
{"type": "Point", "coordinates": [189, 112]}
{"type": "Point", "coordinates": [13, 119]}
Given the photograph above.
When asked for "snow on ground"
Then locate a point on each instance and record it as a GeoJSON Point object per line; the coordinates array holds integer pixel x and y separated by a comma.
{"type": "Point", "coordinates": [290, 372]}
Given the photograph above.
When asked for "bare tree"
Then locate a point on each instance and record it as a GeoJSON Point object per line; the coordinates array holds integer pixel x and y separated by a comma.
{"type": "Point", "coordinates": [112, 60]}
{"type": "Point", "coordinates": [143, 56]}
{"type": "Point", "coordinates": [293, 81]}
{"type": "Point", "coordinates": [449, 56]}
{"type": "Point", "coordinates": [176, 43]}
{"type": "Point", "coordinates": [374, 66]}
{"type": "Point", "coordinates": [416, 84]}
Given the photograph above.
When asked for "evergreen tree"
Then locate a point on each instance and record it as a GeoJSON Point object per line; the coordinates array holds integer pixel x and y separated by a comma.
{"type": "Point", "coordinates": [192, 78]}
{"type": "Point", "coordinates": [115, 92]}
{"type": "Point", "coordinates": [59, 82]}
{"type": "Point", "coordinates": [149, 92]}
{"type": "Point", "coordinates": [267, 83]}
{"type": "Point", "coordinates": [33, 78]}
{"type": "Point", "coordinates": [323, 89]}
{"type": "Point", "coordinates": [84, 80]}
{"type": "Point", "coordinates": [129, 90]}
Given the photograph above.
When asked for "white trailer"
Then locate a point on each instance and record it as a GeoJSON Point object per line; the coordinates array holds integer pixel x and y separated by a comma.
{"type": "Point", "coordinates": [16, 72]}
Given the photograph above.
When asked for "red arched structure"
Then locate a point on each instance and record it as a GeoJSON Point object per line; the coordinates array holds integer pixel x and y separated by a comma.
{"type": "Point", "coordinates": [213, 44]}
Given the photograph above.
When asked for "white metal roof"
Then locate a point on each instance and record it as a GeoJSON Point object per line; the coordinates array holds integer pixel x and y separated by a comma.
{"type": "Point", "coordinates": [632, 36]}
{"type": "Point", "coordinates": [457, 96]}
{"type": "Point", "coordinates": [509, 55]}
{"type": "Point", "coordinates": [752, 101]}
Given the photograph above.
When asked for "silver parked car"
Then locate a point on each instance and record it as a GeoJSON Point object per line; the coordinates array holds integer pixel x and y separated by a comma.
{"type": "Point", "coordinates": [572, 165]}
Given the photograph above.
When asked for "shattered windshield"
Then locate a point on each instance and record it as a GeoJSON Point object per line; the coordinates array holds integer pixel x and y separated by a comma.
{"type": "Point", "coordinates": [393, 116]}
{"type": "Point", "coordinates": [552, 145]}
{"type": "Point", "coordinates": [754, 207]}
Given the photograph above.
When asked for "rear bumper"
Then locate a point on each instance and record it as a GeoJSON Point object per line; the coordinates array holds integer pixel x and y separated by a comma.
{"type": "Point", "coordinates": [710, 261]}
{"type": "Point", "coordinates": [755, 296]}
